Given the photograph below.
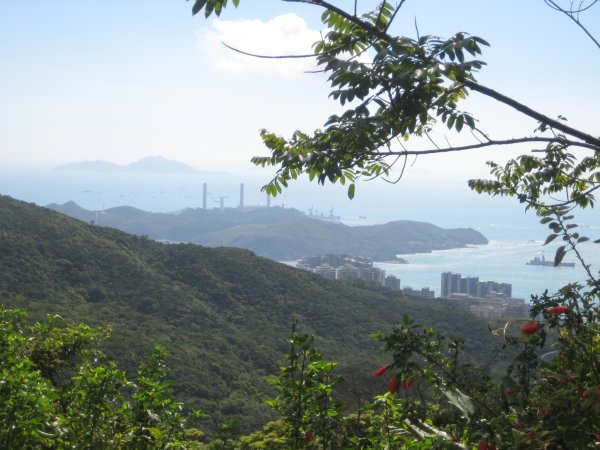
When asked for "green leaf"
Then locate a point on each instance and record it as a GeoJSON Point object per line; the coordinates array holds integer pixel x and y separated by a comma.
{"type": "Point", "coordinates": [198, 6]}
{"type": "Point", "coordinates": [351, 190]}
{"type": "Point", "coordinates": [462, 401]}
{"type": "Point", "coordinates": [450, 122]}
{"type": "Point", "coordinates": [560, 254]}
{"type": "Point", "coordinates": [460, 120]}
{"type": "Point", "coordinates": [550, 238]}
{"type": "Point", "coordinates": [156, 433]}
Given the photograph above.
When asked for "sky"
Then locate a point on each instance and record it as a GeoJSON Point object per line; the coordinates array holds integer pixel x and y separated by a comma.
{"type": "Point", "coordinates": [120, 80]}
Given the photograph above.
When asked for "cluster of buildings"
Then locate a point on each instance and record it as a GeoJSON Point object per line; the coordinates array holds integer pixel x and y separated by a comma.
{"type": "Point", "coordinates": [343, 267]}
{"type": "Point", "coordinates": [486, 299]}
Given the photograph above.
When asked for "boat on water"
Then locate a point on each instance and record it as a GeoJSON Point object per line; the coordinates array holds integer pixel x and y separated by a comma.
{"type": "Point", "coordinates": [537, 261]}
{"type": "Point", "coordinates": [331, 217]}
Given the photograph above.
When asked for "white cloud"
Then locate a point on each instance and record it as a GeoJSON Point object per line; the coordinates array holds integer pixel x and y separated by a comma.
{"type": "Point", "coordinates": [287, 34]}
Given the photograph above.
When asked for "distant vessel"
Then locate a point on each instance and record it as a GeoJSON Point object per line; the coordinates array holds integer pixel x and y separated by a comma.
{"type": "Point", "coordinates": [320, 216]}
{"type": "Point", "coordinates": [537, 261]}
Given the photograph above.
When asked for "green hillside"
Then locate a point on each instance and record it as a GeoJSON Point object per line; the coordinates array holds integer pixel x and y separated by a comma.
{"type": "Point", "coordinates": [223, 313]}
{"type": "Point", "coordinates": [279, 233]}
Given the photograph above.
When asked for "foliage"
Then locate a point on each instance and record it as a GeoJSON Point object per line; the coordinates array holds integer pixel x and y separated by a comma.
{"type": "Point", "coordinates": [222, 313]}
{"type": "Point", "coordinates": [57, 391]}
{"type": "Point", "coordinates": [306, 385]}
{"type": "Point", "coordinates": [393, 88]}
{"type": "Point", "coordinates": [546, 399]}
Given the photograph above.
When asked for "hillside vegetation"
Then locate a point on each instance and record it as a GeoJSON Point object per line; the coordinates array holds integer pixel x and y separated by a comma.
{"type": "Point", "coordinates": [223, 313]}
{"type": "Point", "coordinates": [278, 233]}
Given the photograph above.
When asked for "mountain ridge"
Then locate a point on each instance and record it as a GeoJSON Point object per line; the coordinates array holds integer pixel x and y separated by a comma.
{"type": "Point", "coordinates": [148, 164]}
{"type": "Point", "coordinates": [280, 234]}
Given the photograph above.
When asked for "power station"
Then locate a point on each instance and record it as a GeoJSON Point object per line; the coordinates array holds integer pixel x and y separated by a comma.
{"type": "Point", "coordinates": [205, 194]}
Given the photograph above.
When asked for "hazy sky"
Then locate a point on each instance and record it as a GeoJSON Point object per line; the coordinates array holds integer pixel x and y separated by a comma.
{"type": "Point", "coordinates": [120, 80]}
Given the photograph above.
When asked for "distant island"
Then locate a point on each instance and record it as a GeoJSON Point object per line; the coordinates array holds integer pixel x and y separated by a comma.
{"type": "Point", "coordinates": [149, 164]}
{"type": "Point", "coordinates": [281, 234]}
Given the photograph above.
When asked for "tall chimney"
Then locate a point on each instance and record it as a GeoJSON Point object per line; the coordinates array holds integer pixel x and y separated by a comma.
{"type": "Point", "coordinates": [241, 195]}
{"type": "Point", "coordinates": [204, 196]}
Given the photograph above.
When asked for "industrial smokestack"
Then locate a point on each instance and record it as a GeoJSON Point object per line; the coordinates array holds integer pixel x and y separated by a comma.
{"type": "Point", "coordinates": [241, 195]}
{"type": "Point", "coordinates": [268, 201]}
{"type": "Point", "coordinates": [204, 196]}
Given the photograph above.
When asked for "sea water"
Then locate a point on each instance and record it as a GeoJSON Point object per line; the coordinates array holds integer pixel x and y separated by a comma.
{"type": "Point", "coordinates": [503, 261]}
{"type": "Point", "coordinates": [515, 237]}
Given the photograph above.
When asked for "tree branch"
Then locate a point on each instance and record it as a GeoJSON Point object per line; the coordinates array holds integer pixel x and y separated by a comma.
{"type": "Point", "coordinates": [255, 55]}
{"type": "Point", "coordinates": [354, 19]}
{"type": "Point", "coordinates": [489, 143]}
{"type": "Point", "coordinates": [571, 15]}
{"type": "Point", "coordinates": [557, 125]}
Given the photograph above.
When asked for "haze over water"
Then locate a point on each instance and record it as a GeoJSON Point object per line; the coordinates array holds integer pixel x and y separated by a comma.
{"type": "Point", "coordinates": [515, 237]}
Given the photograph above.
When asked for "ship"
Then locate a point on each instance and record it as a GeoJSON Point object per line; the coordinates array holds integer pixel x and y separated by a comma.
{"type": "Point", "coordinates": [537, 261]}
{"type": "Point", "coordinates": [327, 218]}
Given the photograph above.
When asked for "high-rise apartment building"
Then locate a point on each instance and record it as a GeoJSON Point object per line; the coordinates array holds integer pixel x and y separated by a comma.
{"type": "Point", "coordinates": [453, 283]}
{"type": "Point", "coordinates": [392, 282]}
{"type": "Point", "coordinates": [450, 283]}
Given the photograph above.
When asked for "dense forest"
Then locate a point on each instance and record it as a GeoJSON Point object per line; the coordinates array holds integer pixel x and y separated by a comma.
{"type": "Point", "coordinates": [223, 313]}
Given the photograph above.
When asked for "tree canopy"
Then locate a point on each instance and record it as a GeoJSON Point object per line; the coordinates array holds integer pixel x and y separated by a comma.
{"type": "Point", "coordinates": [394, 88]}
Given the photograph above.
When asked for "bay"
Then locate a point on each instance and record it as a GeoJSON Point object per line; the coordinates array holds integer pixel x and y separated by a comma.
{"type": "Point", "coordinates": [503, 261]}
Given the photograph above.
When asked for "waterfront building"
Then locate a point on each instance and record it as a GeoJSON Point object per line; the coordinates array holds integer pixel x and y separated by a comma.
{"type": "Point", "coordinates": [373, 274]}
{"type": "Point", "coordinates": [325, 270]}
{"type": "Point", "coordinates": [423, 293]}
{"type": "Point", "coordinates": [453, 283]}
{"type": "Point", "coordinates": [392, 282]}
{"type": "Point", "coordinates": [450, 283]}
{"type": "Point", "coordinates": [343, 267]}
{"type": "Point", "coordinates": [486, 299]}
{"type": "Point", "coordinates": [346, 272]}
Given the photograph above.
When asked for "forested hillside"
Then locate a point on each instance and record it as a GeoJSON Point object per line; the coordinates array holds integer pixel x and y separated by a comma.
{"type": "Point", "coordinates": [279, 233]}
{"type": "Point", "coordinates": [223, 313]}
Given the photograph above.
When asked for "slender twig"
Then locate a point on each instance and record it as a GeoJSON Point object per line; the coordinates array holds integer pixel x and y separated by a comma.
{"type": "Point", "coordinates": [571, 15]}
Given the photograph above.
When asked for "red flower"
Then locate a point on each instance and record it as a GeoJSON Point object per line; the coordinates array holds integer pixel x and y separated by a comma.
{"type": "Point", "coordinates": [455, 439]}
{"type": "Point", "coordinates": [381, 371]}
{"type": "Point", "coordinates": [558, 310]}
{"type": "Point", "coordinates": [530, 328]}
{"type": "Point", "coordinates": [596, 437]}
{"type": "Point", "coordinates": [308, 437]}
{"type": "Point", "coordinates": [508, 391]}
{"type": "Point", "coordinates": [406, 384]}
{"type": "Point", "coordinates": [581, 392]}
{"type": "Point", "coordinates": [393, 385]}
{"type": "Point", "coordinates": [483, 445]}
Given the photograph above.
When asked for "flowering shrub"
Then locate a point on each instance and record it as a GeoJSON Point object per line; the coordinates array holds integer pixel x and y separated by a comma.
{"type": "Point", "coordinates": [561, 309]}
{"type": "Point", "coordinates": [530, 328]}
